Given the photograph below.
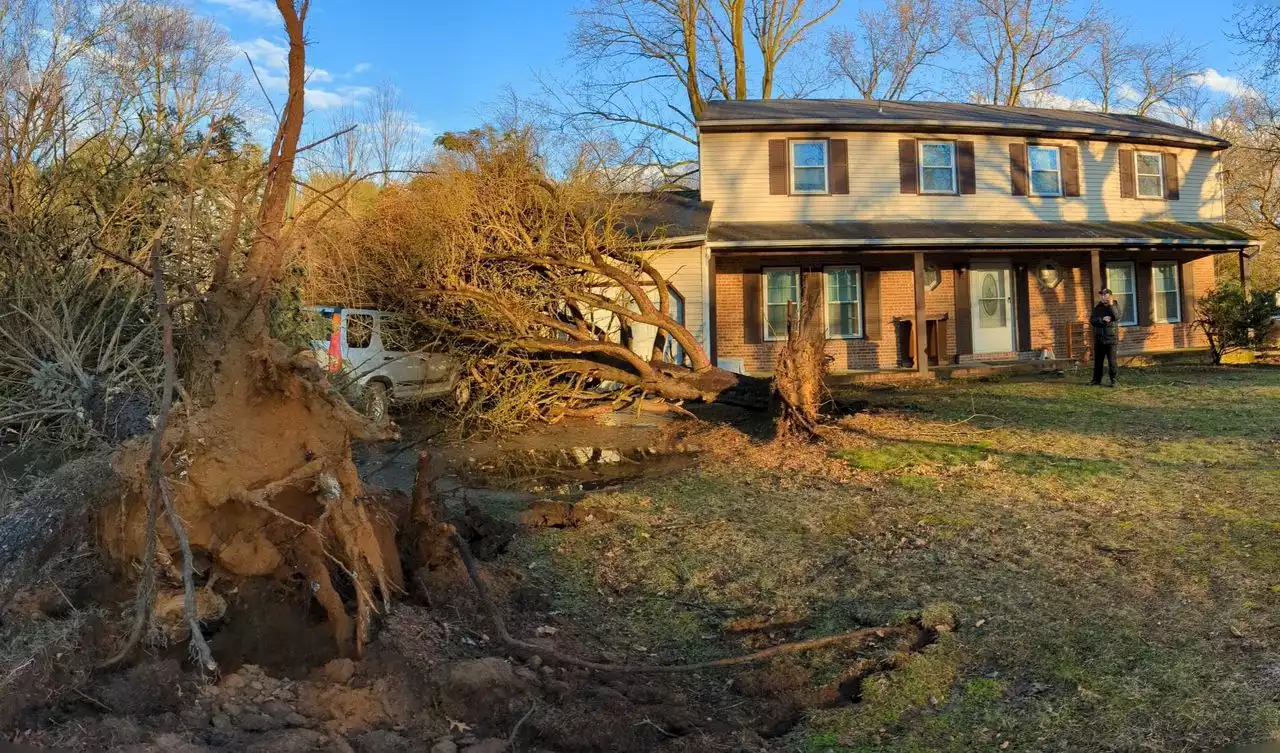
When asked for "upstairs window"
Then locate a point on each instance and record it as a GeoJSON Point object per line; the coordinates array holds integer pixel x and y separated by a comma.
{"type": "Point", "coordinates": [1149, 169]}
{"type": "Point", "coordinates": [1045, 163]}
{"type": "Point", "coordinates": [1167, 298]}
{"type": "Point", "coordinates": [781, 287]}
{"type": "Point", "coordinates": [937, 167]}
{"type": "Point", "coordinates": [844, 310]}
{"type": "Point", "coordinates": [1122, 280]}
{"type": "Point", "coordinates": [809, 166]}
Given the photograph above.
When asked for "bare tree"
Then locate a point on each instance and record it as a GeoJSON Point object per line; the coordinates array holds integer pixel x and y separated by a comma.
{"type": "Point", "coordinates": [1257, 30]}
{"type": "Point", "coordinates": [1108, 67]}
{"type": "Point", "coordinates": [881, 58]}
{"type": "Point", "coordinates": [1190, 103]}
{"type": "Point", "coordinates": [647, 67]}
{"type": "Point", "coordinates": [1251, 173]}
{"type": "Point", "coordinates": [1023, 47]}
{"type": "Point", "coordinates": [393, 138]}
{"type": "Point", "coordinates": [778, 26]}
{"type": "Point", "coordinates": [1164, 70]}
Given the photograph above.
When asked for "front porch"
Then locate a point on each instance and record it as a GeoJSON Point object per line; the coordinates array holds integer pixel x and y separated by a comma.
{"type": "Point", "coordinates": [991, 305]}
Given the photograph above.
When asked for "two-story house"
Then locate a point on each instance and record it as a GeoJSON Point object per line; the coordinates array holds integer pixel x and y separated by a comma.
{"type": "Point", "coordinates": [993, 227]}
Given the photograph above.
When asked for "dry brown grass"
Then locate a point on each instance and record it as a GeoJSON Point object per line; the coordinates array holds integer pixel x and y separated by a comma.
{"type": "Point", "coordinates": [1113, 557]}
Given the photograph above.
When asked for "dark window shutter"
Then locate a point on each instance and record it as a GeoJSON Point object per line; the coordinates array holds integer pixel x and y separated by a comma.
{"type": "Point", "coordinates": [1171, 176]}
{"type": "Point", "coordinates": [871, 304]}
{"type": "Point", "coordinates": [966, 174]}
{"type": "Point", "coordinates": [1021, 296]}
{"type": "Point", "coordinates": [1070, 171]}
{"type": "Point", "coordinates": [778, 183]}
{"type": "Point", "coordinates": [752, 307]}
{"type": "Point", "coordinates": [838, 170]}
{"type": "Point", "coordinates": [812, 297]}
{"type": "Point", "coordinates": [908, 169]}
{"type": "Point", "coordinates": [1187, 285]}
{"type": "Point", "coordinates": [1143, 290]}
{"type": "Point", "coordinates": [1018, 168]}
{"type": "Point", "coordinates": [964, 313]}
{"type": "Point", "coordinates": [1128, 185]}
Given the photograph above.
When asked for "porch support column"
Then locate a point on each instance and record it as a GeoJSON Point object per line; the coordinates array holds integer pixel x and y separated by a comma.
{"type": "Point", "coordinates": [1244, 270]}
{"type": "Point", "coordinates": [1095, 269]}
{"type": "Point", "coordinates": [921, 329]}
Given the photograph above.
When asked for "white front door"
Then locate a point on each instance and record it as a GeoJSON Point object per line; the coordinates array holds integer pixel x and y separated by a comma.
{"type": "Point", "coordinates": [992, 301]}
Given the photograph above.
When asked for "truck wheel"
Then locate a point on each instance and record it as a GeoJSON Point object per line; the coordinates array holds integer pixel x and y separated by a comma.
{"type": "Point", "coordinates": [375, 402]}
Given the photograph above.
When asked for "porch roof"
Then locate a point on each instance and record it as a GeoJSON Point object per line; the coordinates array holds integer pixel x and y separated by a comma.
{"type": "Point", "coordinates": [951, 235]}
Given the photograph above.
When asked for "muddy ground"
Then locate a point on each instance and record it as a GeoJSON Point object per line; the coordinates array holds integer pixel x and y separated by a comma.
{"type": "Point", "coordinates": [433, 678]}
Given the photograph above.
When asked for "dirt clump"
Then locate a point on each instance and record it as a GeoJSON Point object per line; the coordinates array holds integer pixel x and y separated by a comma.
{"type": "Point", "coordinates": [549, 513]}
{"type": "Point", "coordinates": [483, 690]}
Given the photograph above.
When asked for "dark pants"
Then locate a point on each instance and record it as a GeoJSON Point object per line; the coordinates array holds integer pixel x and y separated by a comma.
{"type": "Point", "coordinates": [1103, 351]}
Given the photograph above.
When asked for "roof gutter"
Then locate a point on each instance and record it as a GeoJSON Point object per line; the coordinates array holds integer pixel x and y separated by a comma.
{"type": "Point", "coordinates": [950, 242]}
{"type": "Point", "coordinates": [677, 240]}
{"type": "Point", "coordinates": [956, 126]}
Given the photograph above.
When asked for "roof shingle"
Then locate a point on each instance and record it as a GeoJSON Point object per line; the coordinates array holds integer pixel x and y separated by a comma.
{"type": "Point", "coordinates": [949, 117]}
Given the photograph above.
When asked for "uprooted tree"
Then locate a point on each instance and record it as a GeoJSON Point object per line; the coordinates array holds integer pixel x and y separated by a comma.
{"type": "Point", "coordinates": [552, 280]}
{"type": "Point", "coordinates": [253, 468]}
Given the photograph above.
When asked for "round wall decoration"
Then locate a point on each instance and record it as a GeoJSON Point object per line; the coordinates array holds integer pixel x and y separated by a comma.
{"type": "Point", "coordinates": [1049, 274]}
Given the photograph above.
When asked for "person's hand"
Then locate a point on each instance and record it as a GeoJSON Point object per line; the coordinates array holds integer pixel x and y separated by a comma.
{"type": "Point", "coordinates": [1106, 319]}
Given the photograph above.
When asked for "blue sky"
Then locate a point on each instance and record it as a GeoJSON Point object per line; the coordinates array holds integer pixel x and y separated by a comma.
{"type": "Point", "coordinates": [453, 59]}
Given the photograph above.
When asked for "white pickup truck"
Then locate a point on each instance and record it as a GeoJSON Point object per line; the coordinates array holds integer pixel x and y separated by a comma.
{"type": "Point", "coordinates": [377, 367]}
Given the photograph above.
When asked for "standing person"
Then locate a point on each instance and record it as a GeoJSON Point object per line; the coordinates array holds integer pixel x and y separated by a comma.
{"type": "Point", "coordinates": [1105, 321]}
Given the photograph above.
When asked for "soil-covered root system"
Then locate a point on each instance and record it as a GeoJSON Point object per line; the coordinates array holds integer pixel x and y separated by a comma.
{"type": "Point", "coordinates": [263, 480]}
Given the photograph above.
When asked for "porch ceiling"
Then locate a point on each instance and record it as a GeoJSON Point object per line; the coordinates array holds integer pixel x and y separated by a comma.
{"type": "Point", "coordinates": [917, 235]}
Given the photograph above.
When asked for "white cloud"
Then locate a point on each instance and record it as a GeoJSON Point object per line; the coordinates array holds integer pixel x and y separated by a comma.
{"type": "Point", "coordinates": [271, 61]}
{"type": "Point", "coordinates": [325, 99]}
{"type": "Point", "coordinates": [1058, 101]}
{"type": "Point", "coordinates": [266, 54]}
{"type": "Point", "coordinates": [258, 10]}
{"type": "Point", "coordinates": [362, 68]}
{"type": "Point", "coordinates": [1221, 83]}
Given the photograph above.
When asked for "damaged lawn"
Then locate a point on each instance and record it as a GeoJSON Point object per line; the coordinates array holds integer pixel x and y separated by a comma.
{"type": "Point", "coordinates": [1112, 558]}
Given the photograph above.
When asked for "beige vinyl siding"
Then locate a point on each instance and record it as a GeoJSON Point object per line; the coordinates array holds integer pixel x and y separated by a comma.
{"type": "Point", "coordinates": [735, 175]}
{"type": "Point", "coordinates": [683, 269]}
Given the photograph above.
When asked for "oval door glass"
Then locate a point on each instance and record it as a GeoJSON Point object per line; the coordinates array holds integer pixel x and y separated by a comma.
{"type": "Point", "coordinates": [992, 309]}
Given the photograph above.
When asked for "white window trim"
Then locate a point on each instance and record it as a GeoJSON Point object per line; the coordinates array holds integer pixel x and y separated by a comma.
{"type": "Point", "coordinates": [764, 299]}
{"type": "Point", "coordinates": [826, 304]}
{"type": "Point", "coordinates": [826, 165]}
{"type": "Point", "coordinates": [1133, 275]}
{"type": "Point", "coordinates": [1137, 176]}
{"type": "Point", "coordinates": [1031, 183]}
{"type": "Point", "coordinates": [951, 146]}
{"type": "Point", "coordinates": [1177, 289]}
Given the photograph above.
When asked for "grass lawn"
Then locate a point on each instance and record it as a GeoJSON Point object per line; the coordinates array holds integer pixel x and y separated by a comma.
{"type": "Point", "coordinates": [1112, 556]}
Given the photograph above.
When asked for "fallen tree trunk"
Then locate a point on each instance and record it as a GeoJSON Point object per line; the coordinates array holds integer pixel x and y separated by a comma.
{"type": "Point", "coordinates": [52, 515]}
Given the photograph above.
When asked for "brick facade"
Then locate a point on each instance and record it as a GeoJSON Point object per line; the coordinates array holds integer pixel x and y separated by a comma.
{"type": "Point", "coordinates": [1051, 311]}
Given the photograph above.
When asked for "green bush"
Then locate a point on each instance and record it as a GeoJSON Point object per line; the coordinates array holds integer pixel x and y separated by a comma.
{"type": "Point", "coordinates": [1233, 319]}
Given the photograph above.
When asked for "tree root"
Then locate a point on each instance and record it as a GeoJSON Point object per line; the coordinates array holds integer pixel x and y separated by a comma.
{"type": "Point", "coordinates": [524, 647]}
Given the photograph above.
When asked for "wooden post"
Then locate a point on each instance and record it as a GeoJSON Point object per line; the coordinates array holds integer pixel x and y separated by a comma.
{"type": "Point", "coordinates": [1244, 271]}
{"type": "Point", "coordinates": [922, 339]}
{"type": "Point", "coordinates": [1095, 267]}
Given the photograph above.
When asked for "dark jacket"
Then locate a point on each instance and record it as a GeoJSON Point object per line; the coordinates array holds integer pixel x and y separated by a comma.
{"type": "Point", "coordinates": [1105, 332]}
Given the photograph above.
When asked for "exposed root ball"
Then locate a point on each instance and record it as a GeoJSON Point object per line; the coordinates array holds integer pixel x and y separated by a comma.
{"type": "Point", "coordinates": [263, 479]}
